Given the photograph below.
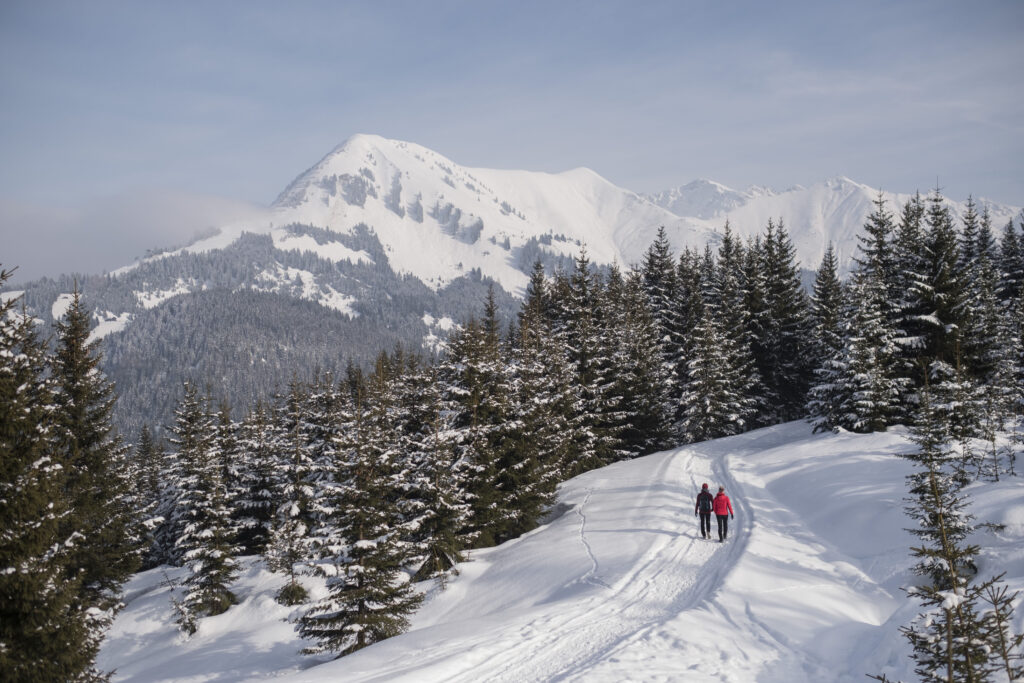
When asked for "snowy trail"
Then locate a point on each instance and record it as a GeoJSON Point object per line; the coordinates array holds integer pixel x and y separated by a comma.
{"type": "Point", "coordinates": [634, 544]}
{"type": "Point", "coordinates": [619, 586]}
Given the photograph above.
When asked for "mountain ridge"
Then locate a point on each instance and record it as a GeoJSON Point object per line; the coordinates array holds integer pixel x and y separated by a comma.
{"type": "Point", "coordinates": [381, 236]}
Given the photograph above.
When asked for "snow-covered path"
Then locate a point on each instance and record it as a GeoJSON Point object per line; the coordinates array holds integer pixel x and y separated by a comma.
{"type": "Point", "coordinates": [629, 561]}
{"type": "Point", "coordinates": [619, 586]}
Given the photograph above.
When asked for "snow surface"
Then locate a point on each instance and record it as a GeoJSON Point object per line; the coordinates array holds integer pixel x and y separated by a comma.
{"type": "Point", "coordinates": [153, 299]}
{"type": "Point", "coordinates": [108, 323]}
{"type": "Point", "coordinates": [619, 586]}
{"type": "Point", "coordinates": [61, 305]}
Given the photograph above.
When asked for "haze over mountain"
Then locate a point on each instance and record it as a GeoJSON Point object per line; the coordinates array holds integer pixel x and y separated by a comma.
{"type": "Point", "coordinates": [385, 242]}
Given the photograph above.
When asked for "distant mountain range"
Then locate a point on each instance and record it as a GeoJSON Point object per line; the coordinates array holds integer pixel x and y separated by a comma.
{"type": "Point", "coordinates": [385, 242]}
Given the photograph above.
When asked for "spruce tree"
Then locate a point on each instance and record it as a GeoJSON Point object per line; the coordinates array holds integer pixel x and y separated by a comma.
{"type": "Point", "coordinates": [640, 378]}
{"type": "Point", "coordinates": [828, 322]}
{"type": "Point", "coordinates": [287, 546]}
{"type": "Point", "coordinates": [784, 326]}
{"type": "Point", "coordinates": [45, 634]}
{"type": "Point", "coordinates": [713, 408]}
{"type": "Point", "coordinates": [206, 540]}
{"type": "Point", "coordinates": [146, 493]}
{"type": "Point", "coordinates": [435, 509]}
{"type": "Point", "coordinates": [367, 601]}
{"type": "Point", "coordinates": [108, 546]}
{"type": "Point", "coordinates": [661, 285]}
{"type": "Point", "coordinates": [947, 638]}
{"type": "Point", "coordinates": [258, 497]}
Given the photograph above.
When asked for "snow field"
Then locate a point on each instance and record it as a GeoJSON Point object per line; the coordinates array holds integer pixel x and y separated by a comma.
{"type": "Point", "coordinates": [619, 586]}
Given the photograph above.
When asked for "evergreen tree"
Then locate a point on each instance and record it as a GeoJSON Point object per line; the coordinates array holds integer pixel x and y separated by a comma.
{"type": "Point", "coordinates": [784, 327]}
{"type": "Point", "coordinates": [435, 509]}
{"type": "Point", "coordinates": [257, 500]}
{"type": "Point", "coordinates": [1011, 262]}
{"type": "Point", "coordinates": [287, 545]}
{"type": "Point", "coordinates": [827, 321]}
{"type": "Point", "coordinates": [44, 632]}
{"type": "Point", "coordinates": [149, 458]}
{"type": "Point", "coordinates": [713, 408]}
{"type": "Point", "coordinates": [662, 288]}
{"type": "Point", "coordinates": [367, 602]}
{"type": "Point", "coordinates": [938, 292]}
{"type": "Point", "coordinates": [641, 379]}
{"type": "Point", "coordinates": [206, 537]}
{"type": "Point", "coordinates": [728, 297]}
{"type": "Point", "coordinates": [583, 335]}
{"type": "Point", "coordinates": [866, 377]}
{"type": "Point", "coordinates": [94, 461]}
{"type": "Point", "coordinates": [948, 638]}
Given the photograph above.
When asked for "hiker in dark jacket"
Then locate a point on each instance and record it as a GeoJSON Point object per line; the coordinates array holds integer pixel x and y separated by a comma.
{"type": "Point", "coordinates": [723, 511]}
{"type": "Point", "coordinates": [705, 503]}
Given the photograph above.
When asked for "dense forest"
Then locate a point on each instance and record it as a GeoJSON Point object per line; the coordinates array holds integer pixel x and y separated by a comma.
{"type": "Point", "coordinates": [379, 478]}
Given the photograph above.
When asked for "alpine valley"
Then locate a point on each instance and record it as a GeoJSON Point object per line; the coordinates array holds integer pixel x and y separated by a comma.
{"type": "Point", "coordinates": [386, 242]}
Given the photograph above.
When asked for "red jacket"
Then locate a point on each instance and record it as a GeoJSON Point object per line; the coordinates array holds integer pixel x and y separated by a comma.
{"type": "Point", "coordinates": [722, 504]}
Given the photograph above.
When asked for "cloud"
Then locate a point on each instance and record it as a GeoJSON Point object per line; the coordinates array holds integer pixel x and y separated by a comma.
{"type": "Point", "coordinates": [109, 233]}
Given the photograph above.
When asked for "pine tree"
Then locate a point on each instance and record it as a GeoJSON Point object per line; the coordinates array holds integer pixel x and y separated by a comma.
{"type": "Point", "coordinates": [828, 321]}
{"type": "Point", "coordinates": [947, 639]}
{"type": "Point", "coordinates": [712, 406]}
{"type": "Point", "coordinates": [258, 495]}
{"type": "Point", "coordinates": [784, 326]}
{"type": "Point", "coordinates": [108, 546]}
{"type": "Point", "coordinates": [287, 545]}
{"type": "Point", "coordinates": [435, 508]}
{"type": "Point", "coordinates": [938, 292]}
{"type": "Point", "coordinates": [44, 632]}
{"type": "Point", "coordinates": [910, 310]}
{"type": "Point", "coordinates": [1007, 648]}
{"type": "Point", "coordinates": [545, 382]}
{"type": "Point", "coordinates": [867, 381]}
{"type": "Point", "coordinates": [367, 602]}
{"type": "Point", "coordinates": [146, 495]}
{"type": "Point", "coordinates": [1011, 262]}
{"type": "Point", "coordinates": [206, 537]}
{"type": "Point", "coordinates": [661, 285]}
{"type": "Point", "coordinates": [728, 297]}
{"type": "Point", "coordinates": [641, 380]}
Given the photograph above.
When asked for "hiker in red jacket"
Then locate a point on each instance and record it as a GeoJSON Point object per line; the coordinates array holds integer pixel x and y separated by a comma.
{"type": "Point", "coordinates": [705, 503]}
{"type": "Point", "coordinates": [723, 511]}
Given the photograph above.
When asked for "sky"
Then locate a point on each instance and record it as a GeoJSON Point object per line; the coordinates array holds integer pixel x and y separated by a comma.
{"type": "Point", "coordinates": [126, 126]}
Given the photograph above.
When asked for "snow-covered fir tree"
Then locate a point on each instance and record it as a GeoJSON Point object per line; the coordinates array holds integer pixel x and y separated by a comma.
{"type": "Point", "coordinates": [947, 638]}
{"type": "Point", "coordinates": [45, 634]}
{"type": "Point", "coordinates": [206, 540]}
{"type": "Point", "coordinates": [96, 474]}
{"type": "Point", "coordinates": [369, 599]}
{"type": "Point", "coordinates": [256, 501]}
{"type": "Point", "coordinates": [288, 545]}
{"type": "Point", "coordinates": [784, 326]}
{"type": "Point", "coordinates": [826, 343]}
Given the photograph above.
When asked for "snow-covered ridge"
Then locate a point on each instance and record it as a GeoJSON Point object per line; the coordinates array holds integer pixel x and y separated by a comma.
{"type": "Point", "coordinates": [437, 220]}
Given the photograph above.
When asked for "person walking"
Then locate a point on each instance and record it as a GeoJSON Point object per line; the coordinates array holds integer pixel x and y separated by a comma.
{"type": "Point", "coordinates": [723, 511]}
{"type": "Point", "coordinates": [705, 503]}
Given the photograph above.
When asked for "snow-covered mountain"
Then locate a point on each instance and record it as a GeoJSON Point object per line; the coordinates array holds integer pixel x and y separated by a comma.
{"type": "Point", "coordinates": [437, 220]}
{"type": "Point", "coordinates": [619, 586]}
{"type": "Point", "coordinates": [829, 211]}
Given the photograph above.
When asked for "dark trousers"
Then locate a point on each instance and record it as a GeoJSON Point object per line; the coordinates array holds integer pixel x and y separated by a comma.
{"type": "Point", "coordinates": [705, 524]}
{"type": "Point", "coordinates": [723, 526]}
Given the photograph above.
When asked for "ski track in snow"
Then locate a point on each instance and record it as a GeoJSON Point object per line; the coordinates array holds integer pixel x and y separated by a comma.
{"type": "Point", "coordinates": [671, 576]}
{"type": "Point", "coordinates": [591, 576]}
